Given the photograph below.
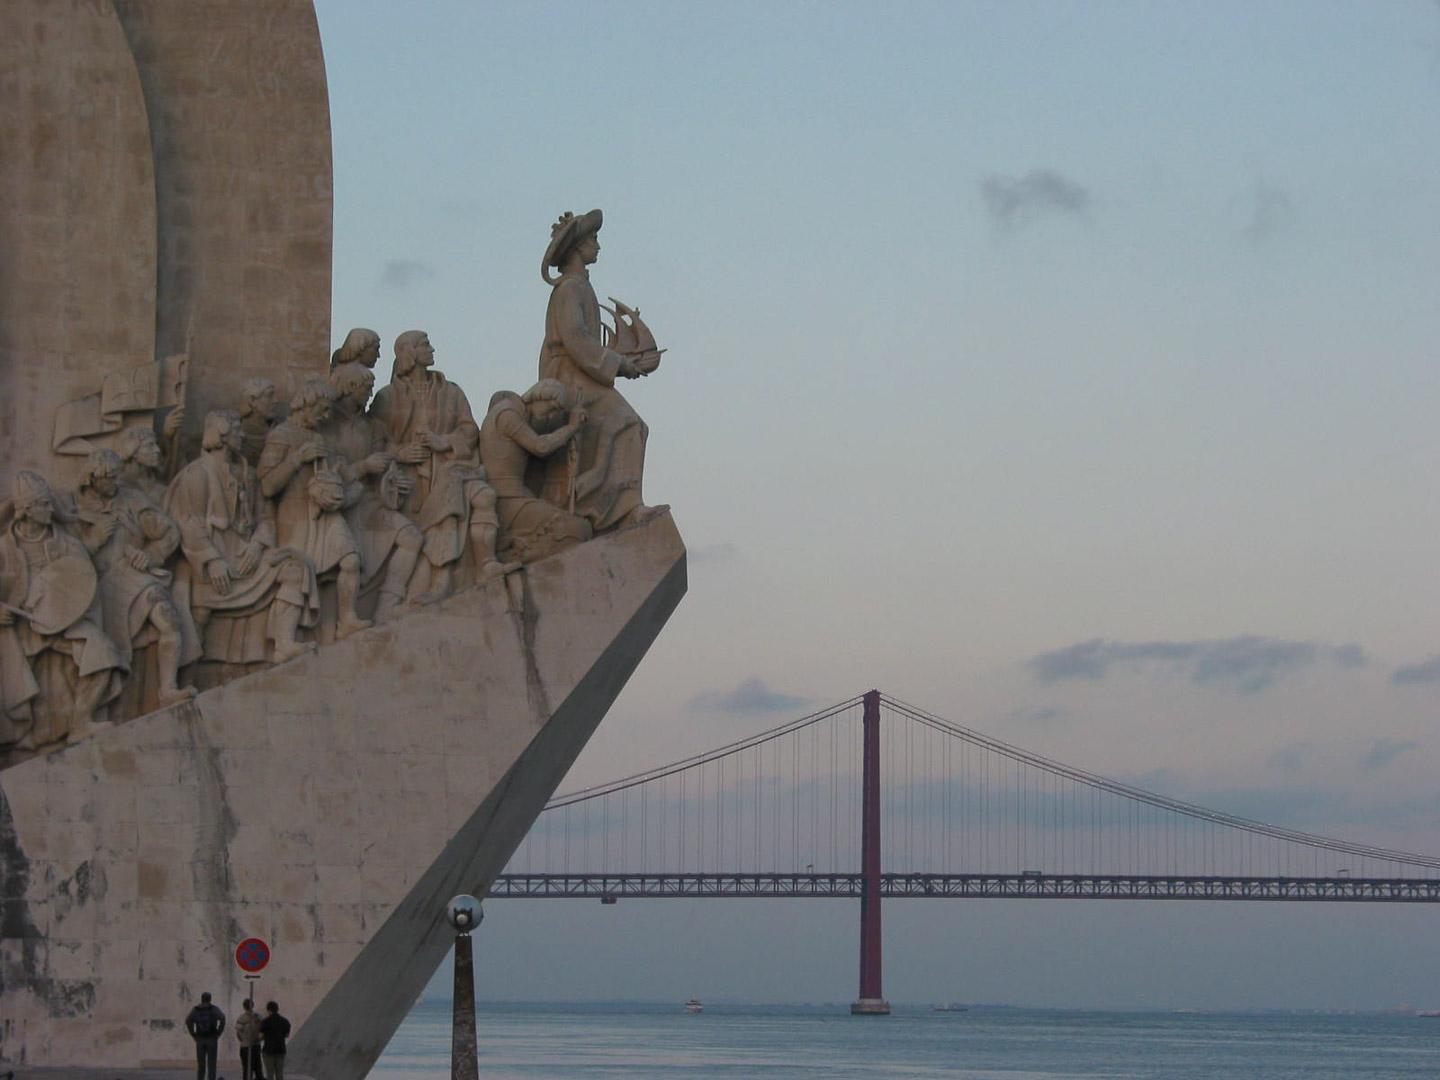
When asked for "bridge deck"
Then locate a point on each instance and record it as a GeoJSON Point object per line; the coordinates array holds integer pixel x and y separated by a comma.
{"type": "Point", "coordinates": [967, 886]}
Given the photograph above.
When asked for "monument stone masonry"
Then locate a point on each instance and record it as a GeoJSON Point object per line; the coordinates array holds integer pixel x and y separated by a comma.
{"type": "Point", "coordinates": [283, 653]}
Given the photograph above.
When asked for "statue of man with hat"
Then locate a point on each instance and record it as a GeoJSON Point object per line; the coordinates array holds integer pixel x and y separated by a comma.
{"type": "Point", "coordinates": [600, 480]}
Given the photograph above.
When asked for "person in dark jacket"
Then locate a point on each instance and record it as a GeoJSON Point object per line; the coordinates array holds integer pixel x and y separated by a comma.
{"type": "Point", "coordinates": [205, 1023]}
{"type": "Point", "coordinates": [274, 1030]}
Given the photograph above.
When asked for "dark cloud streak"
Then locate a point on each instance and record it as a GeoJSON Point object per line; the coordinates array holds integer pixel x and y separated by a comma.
{"type": "Point", "coordinates": [1271, 213]}
{"type": "Point", "coordinates": [1383, 751]}
{"type": "Point", "coordinates": [400, 274]}
{"type": "Point", "coordinates": [752, 697]}
{"type": "Point", "coordinates": [1245, 664]}
{"type": "Point", "coordinates": [1013, 201]}
{"type": "Point", "coordinates": [1427, 671]}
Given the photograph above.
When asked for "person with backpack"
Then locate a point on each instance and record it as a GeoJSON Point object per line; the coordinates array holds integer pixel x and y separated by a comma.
{"type": "Point", "coordinates": [247, 1034]}
{"type": "Point", "coordinates": [274, 1030]}
{"type": "Point", "coordinates": [205, 1023]}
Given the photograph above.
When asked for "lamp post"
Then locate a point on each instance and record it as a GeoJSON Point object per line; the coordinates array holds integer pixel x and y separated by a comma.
{"type": "Point", "coordinates": [464, 914]}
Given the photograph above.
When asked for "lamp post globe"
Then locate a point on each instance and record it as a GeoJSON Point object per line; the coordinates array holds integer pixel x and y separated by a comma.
{"type": "Point", "coordinates": [464, 913]}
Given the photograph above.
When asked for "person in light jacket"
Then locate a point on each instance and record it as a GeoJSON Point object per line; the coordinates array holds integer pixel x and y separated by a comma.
{"type": "Point", "coordinates": [247, 1034]}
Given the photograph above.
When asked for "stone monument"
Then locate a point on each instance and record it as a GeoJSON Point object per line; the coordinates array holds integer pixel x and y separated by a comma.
{"type": "Point", "coordinates": [277, 661]}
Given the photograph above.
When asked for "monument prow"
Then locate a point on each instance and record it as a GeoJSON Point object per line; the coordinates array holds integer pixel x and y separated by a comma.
{"type": "Point", "coordinates": [287, 657]}
{"type": "Point", "coordinates": [329, 805]}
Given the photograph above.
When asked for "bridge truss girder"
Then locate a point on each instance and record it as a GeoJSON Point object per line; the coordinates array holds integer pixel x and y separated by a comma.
{"type": "Point", "coordinates": [661, 886]}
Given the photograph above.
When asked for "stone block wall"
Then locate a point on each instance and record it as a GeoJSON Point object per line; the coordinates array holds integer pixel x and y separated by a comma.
{"type": "Point", "coordinates": [329, 805]}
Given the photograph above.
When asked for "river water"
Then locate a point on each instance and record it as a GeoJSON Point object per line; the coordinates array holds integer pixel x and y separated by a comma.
{"type": "Point", "coordinates": [569, 1041]}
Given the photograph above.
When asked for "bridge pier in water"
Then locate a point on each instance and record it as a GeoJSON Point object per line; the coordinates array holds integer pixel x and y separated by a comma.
{"type": "Point", "coordinates": [872, 1000]}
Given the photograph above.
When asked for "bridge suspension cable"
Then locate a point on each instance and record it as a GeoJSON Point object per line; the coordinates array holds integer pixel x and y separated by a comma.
{"type": "Point", "coordinates": [957, 809]}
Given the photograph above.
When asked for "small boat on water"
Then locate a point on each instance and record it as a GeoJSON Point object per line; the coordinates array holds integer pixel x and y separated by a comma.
{"type": "Point", "coordinates": [952, 1007]}
{"type": "Point", "coordinates": [1433, 1013]}
{"type": "Point", "coordinates": [694, 1006]}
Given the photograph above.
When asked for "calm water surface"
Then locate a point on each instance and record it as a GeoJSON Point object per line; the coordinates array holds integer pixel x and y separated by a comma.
{"type": "Point", "coordinates": [551, 1042]}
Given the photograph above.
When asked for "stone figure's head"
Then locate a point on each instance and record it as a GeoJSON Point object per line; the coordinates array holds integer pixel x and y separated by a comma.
{"type": "Point", "coordinates": [258, 397]}
{"type": "Point", "coordinates": [101, 473]}
{"type": "Point", "coordinates": [412, 350]}
{"type": "Point", "coordinates": [574, 243]}
{"type": "Point", "coordinates": [312, 403]}
{"type": "Point", "coordinates": [223, 431]}
{"type": "Point", "coordinates": [547, 403]}
{"type": "Point", "coordinates": [32, 498]}
{"type": "Point", "coordinates": [353, 381]}
{"type": "Point", "coordinates": [361, 346]}
{"type": "Point", "coordinates": [138, 444]}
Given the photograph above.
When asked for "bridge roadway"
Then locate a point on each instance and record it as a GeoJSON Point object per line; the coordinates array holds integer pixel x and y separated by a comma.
{"type": "Point", "coordinates": [611, 887]}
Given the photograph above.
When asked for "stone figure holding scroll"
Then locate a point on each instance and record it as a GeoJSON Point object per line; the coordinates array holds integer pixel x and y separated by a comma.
{"type": "Point", "coordinates": [602, 481]}
{"type": "Point", "coordinates": [57, 666]}
{"type": "Point", "coordinates": [299, 471]}
{"type": "Point", "coordinates": [244, 590]}
{"type": "Point", "coordinates": [389, 541]}
{"type": "Point", "coordinates": [519, 434]}
{"type": "Point", "coordinates": [434, 436]}
{"type": "Point", "coordinates": [130, 539]}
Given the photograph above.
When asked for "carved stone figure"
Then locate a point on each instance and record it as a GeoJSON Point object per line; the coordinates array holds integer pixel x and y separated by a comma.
{"type": "Point", "coordinates": [603, 484]}
{"type": "Point", "coordinates": [130, 538]}
{"type": "Point", "coordinates": [433, 433]}
{"type": "Point", "coordinates": [519, 433]}
{"type": "Point", "coordinates": [383, 532]}
{"type": "Point", "coordinates": [57, 666]}
{"type": "Point", "coordinates": [145, 464]}
{"type": "Point", "coordinates": [260, 410]}
{"type": "Point", "coordinates": [306, 481]}
{"type": "Point", "coordinates": [361, 346]}
{"type": "Point", "coordinates": [244, 590]}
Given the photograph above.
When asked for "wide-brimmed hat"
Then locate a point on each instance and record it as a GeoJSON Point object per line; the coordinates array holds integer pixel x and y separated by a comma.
{"type": "Point", "coordinates": [565, 234]}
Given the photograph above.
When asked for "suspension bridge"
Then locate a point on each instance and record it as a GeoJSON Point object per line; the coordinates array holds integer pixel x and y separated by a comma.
{"type": "Point", "coordinates": [873, 798]}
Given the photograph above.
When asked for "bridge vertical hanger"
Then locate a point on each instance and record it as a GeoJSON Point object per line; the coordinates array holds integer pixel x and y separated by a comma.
{"type": "Point", "coordinates": [872, 1001]}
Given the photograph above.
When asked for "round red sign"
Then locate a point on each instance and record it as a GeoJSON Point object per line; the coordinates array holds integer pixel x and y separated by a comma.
{"type": "Point", "coordinates": [251, 955]}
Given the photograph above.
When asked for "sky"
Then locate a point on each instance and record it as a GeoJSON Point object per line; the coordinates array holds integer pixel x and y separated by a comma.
{"type": "Point", "coordinates": [1067, 370]}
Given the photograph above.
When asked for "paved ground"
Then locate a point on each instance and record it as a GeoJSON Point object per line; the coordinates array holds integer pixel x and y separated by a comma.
{"type": "Point", "coordinates": [21, 1073]}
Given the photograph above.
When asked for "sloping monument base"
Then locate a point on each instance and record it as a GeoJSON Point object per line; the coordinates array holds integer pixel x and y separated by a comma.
{"type": "Point", "coordinates": [330, 806]}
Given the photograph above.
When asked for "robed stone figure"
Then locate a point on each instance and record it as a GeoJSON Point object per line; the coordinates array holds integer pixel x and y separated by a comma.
{"type": "Point", "coordinates": [244, 590]}
{"type": "Point", "coordinates": [433, 435]}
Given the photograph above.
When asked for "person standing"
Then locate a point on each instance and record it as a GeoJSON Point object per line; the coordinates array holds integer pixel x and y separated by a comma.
{"type": "Point", "coordinates": [274, 1030]}
{"type": "Point", "coordinates": [247, 1034]}
{"type": "Point", "coordinates": [205, 1023]}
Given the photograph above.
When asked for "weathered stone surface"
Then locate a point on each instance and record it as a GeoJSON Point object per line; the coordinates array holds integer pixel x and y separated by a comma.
{"type": "Point", "coordinates": [240, 128]}
{"type": "Point", "coordinates": [77, 213]}
{"type": "Point", "coordinates": [331, 805]}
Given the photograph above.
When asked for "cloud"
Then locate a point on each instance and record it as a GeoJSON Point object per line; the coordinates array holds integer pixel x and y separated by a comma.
{"type": "Point", "coordinates": [750, 698]}
{"type": "Point", "coordinates": [1383, 751]}
{"type": "Point", "coordinates": [1270, 212]}
{"type": "Point", "coordinates": [1427, 671]}
{"type": "Point", "coordinates": [1014, 201]}
{"type": "Point", "coordinates": [713, 553]}
{"type": "Point", "coordinates": [1040, 717]}
{"type": "Point", "coordinates": [400, 274]}
{"type": "Point", "coordinates": [1290, 758]}
{"type": "Point", "coordinates": [1245, 664]}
